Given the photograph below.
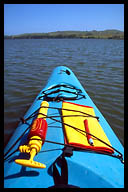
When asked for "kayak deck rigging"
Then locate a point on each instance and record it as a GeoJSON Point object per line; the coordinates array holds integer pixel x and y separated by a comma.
{"type": "Point", "coordinates": [72, 93]}
{"type": "Point", "coordinates": [83, 114]}
{"type": "Point", "coordinates": [85, 164]}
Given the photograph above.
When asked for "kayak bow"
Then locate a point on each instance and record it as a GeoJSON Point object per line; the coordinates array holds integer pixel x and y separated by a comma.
{"type": "Point", "coordinates": [79, 147]}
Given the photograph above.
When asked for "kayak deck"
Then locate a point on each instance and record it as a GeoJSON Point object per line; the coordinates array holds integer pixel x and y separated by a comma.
{"type": "Point", "coordinates": [86, 169]}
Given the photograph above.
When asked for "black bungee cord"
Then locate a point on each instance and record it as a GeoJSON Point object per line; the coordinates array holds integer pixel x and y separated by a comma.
{"type": "Point", "coordinates": [120, 156]}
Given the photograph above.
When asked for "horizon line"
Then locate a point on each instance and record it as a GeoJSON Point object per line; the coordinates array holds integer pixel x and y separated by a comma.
{"type": "Point", "coordinates": [64, 31]}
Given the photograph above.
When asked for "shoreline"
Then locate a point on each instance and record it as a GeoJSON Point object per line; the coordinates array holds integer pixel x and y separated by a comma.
{"type": "Point", "coordinates": [106, 34]}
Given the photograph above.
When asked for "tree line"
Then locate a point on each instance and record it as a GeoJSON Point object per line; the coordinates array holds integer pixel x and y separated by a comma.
{"type": "Point", "coordinates": [106, 34]}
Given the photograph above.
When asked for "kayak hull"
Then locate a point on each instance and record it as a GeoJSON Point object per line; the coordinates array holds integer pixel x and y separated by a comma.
{"type": "Point", "coordinates": [86, 169]}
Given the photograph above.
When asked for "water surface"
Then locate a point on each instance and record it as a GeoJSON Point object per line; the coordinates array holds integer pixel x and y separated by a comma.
{"type": "Point", "coordinates": [97, 63]}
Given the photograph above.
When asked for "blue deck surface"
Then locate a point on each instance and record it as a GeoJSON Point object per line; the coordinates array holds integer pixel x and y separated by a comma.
{"type": "Point", "coordinates": [85, 169]}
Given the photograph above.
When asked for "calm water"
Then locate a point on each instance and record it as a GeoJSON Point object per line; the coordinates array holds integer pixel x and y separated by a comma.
{"type": "Point", "coordinates": [98, 64]}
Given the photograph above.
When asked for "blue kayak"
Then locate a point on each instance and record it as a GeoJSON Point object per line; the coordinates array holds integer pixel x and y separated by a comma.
{"type": "Point", "coordinates": [63, 141]}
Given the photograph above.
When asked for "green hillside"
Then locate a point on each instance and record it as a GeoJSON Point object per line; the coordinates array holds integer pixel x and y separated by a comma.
{"type": "Point", "coordinates": [106, 34]}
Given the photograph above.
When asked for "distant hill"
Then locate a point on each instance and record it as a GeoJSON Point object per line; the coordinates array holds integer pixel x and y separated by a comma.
{"type": "Point", "coordinates": [106, 34]}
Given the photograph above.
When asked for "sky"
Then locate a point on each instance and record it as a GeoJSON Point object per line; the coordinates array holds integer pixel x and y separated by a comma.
{"type": "Point", "coordinates": [39, 18]}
